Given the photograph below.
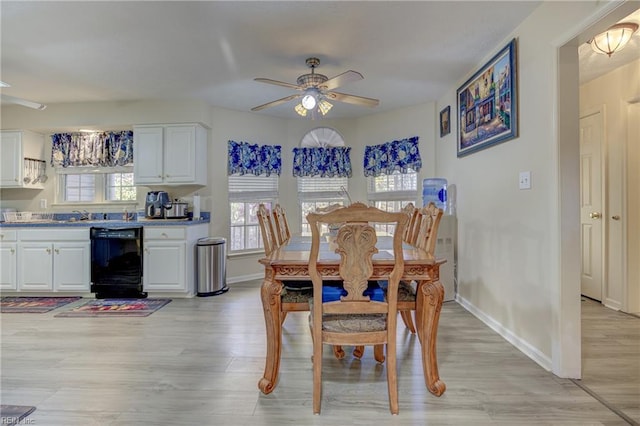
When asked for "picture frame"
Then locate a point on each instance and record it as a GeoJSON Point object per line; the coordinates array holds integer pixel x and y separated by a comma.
{"type": "Point", "coordinates": [487, 104]}
{"type": "Point", "coordinates": [445, 121]}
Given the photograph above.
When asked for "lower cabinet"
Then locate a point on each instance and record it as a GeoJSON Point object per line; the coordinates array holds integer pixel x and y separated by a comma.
{"type": "Point", "coordinates": [169, 258]}
{"type": "Point", "coordinates": [8, 260]}
{"type": "Point", "coordinates": [48, 264]}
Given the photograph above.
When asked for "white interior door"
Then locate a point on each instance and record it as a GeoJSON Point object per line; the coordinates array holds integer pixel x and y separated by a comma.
{"type": "Point", "coordinates": [591, 221]}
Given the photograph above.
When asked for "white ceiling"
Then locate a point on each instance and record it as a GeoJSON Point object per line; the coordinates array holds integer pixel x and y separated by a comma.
{"type": "Point", "coordinates": [408, 52]}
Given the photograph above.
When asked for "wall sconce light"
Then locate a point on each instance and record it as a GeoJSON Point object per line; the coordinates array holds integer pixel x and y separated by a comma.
{"type": "Point", "coordinates": [614, 39]}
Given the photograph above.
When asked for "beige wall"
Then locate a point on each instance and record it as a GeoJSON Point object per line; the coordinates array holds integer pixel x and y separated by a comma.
{"type": "Point", "coordinates": [617, 94]}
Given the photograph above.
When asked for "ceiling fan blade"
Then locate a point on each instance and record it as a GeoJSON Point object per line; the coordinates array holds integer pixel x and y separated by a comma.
{"type": "Point", "coordinates": [278, 83]}
{"type": "Point", "coordinates": [24, 102]}
{"type": "Point", "coordinates": [274, 103]}
{"type": "Point", "coordinates": [342, 79]}
{"type": "Point", "coordinates": [352, 99]}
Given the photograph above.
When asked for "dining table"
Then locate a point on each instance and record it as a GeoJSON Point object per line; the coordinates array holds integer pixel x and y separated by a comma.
{"type": "Point", "coordinates": [291, 262]}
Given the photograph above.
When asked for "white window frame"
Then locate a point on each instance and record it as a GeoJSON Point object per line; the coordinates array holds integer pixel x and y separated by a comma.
{"type": "Point", "coordinates": [100, 185]}
{"type": "Point", "coordinates": [318, 192]}
{"type": "Point", "coordinates": [250, 190]}
{"type": "Point", "coordinates": [387, 196]}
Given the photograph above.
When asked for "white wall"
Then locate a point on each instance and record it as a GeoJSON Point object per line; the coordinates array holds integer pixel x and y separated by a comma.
{"type": "Point", "coordinates": [517, 249]}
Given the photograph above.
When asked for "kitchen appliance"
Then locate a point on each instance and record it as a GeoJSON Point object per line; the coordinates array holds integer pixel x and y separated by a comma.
{"type": "Point", "coordinates": [156, 204]}
{"type": "Point", "coordinates": [178, 210]}
{"type": "Point", "coordinates": [116, 262]}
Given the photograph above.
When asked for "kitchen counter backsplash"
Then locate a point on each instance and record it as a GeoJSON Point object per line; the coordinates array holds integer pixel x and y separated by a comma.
{"type": "Point", "coordinates": [110, 219]}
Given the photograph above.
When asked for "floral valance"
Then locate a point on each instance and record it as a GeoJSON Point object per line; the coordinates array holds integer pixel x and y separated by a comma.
{"type": "Point", "coordinates": [322, 162]}
{"type": "Point", "coordinates": [245, 158]}
{"type": "Point", "coordinates": [104, 149]}
{"type": "Point", "coordinates": [386, 158]}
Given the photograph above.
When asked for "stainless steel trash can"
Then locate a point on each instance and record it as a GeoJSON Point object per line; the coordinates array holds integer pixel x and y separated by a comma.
{"type": "Point", "coordinates": [211, 268]}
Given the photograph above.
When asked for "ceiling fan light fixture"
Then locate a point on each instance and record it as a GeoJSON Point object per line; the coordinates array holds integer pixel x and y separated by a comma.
{"type": "Point", "coordinates": [309, 101]}
{"type": "Point", "coordinates": [324, 106]}
{"type": "Point", "coordinates": [613, 39]}
{"type": "Point", "coordinates": [301, 110]}
{"type": "Point", "coordinates": [23, 102]}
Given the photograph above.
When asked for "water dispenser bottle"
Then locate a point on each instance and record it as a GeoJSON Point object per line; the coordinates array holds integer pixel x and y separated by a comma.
{"type": "Point", "coordinates": [435, 189]}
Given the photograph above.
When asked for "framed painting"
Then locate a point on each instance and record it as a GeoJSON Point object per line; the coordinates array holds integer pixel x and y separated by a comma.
{"type": "Point", "coordinates": [445, 121]}
{"type": "Point", "coordinates": [487, 104]}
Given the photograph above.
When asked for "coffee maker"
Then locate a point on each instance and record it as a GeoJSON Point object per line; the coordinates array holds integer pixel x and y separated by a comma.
{"type": "Point", "coordinates": [156, 204]}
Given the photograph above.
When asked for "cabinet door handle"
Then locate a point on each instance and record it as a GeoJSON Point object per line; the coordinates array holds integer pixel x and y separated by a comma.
{"type": "Point", "coordinates": [160, 176]}
{"type": "Point", "coordinates": [48, 251]}
{"type": "Point", "coordinates": [57, 251]}
{"type": "Point", "coordinates": [1, 236]}
{"type": "Point", "coordinates": [13, 251]}
{"type": "Point", "coordinates": [164, 235]}
{"type": "Point", "coordinates": [146, 250]}
{"type": "Point", "coordinates": [616, 217]}
{"type": "Point", "coordinates": [595, 215]}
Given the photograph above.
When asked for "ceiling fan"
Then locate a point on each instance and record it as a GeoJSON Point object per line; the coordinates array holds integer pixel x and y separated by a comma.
{"type": "Point", "coordinates": [19, 101]}
{"type": "Point", "coordinates": [317, 90]}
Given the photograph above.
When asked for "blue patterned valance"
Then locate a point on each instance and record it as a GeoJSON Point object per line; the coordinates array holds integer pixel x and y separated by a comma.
{"type": "Point", "coordinates": [384, 159]}
{"type": "Point", "coordinates": [322, 162]}
{"type": "Point", "coordinates": [245, 158]}
{"type": "Point", "coordinates": [104, 149]}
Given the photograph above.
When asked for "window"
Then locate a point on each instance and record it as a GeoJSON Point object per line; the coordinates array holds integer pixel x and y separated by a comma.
{"type": "Point", "coordinates": [317, 192]}
{"type": "Point", "coordinates": [393, 192]}
{"type": "Point", "coordinates": [246, 192]}
{"type": "Point", "coordinates": [78, 186]}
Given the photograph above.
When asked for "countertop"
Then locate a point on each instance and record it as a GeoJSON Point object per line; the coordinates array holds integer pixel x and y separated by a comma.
{"type": "Point", "coordinates": [104, 223]}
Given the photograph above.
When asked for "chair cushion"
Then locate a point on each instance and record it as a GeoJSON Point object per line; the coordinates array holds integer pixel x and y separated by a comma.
{"type": "Point", "coordinates": [297, 296]}
{"type": "Point", "coordinates": [332, 290]}
{"type": "Point", "coordinates": [298, 285]}
{"type": "Point", "coordinates": [351, 323]}
{"type": "Point", "coordinates": [406, 292]}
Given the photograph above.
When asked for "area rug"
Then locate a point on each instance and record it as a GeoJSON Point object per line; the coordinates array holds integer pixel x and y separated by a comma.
{"type": "Point", "coordinates": [116, 308]}
{"type": "Point", "coordinates": [37, 305]}
{"type": "Point", "coordinates": [14, 414]}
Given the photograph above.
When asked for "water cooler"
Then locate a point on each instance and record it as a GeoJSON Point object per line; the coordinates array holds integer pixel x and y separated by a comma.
{"type": "Point", "coordinates": [444, 196]}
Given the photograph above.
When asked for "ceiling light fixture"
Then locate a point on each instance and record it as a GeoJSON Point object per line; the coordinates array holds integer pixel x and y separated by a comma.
{"type": "Point", "coordinates": [313, 102]}
{"type": "Point", "coordinates": [614, 39]}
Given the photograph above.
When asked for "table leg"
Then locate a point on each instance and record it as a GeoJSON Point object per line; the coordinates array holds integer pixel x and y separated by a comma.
{"type": "Point", "coordinates": [270, 294]}
{"type": "Point", "coordinates": [428, 305]}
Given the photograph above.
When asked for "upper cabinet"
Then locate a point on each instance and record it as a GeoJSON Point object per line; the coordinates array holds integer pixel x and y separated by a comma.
{"type": "Point", "coordinates": [170, 154]}
{"type": "Point", "coordinates": [21, 159]}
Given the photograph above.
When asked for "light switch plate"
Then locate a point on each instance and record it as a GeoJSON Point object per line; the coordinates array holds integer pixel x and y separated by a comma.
{"type": "Point", "coordinates": [43, 203]}
{"type": "Point", "coordinates": [525, 180]}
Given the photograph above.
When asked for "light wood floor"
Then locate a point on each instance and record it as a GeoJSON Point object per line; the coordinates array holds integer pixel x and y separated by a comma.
{"type": "Point", "coordinates": [197, 362]}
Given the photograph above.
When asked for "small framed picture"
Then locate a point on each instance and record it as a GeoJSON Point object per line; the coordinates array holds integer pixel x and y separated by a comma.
{"type": "Point", "coordinates": [445, 121]}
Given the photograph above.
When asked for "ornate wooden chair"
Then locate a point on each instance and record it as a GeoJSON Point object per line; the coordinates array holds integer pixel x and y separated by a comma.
{"type": "Point", "coordinates": [295, 295]}
{"type": "Point", "coordinates": [267, 230]}
{"type": "Point", "coordinates": [357, 316]}
{"type": "Point", "coordinates": [282, 226]}
{"type": "Point", "coordinates": [425, 239]}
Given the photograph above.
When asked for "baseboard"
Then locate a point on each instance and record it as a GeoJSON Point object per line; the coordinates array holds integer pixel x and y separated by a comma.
{"type": "Point", "coordinates": [243, 278]}
{"type": "Point", "coordinates": [522, 345]}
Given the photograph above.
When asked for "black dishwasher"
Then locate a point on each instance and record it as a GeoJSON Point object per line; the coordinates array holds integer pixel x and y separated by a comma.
{"type": "Point", "coordinates": [116, 262]}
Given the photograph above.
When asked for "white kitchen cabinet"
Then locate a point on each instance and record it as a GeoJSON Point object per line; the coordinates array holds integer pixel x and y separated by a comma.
{"type": "Point", "coordinates": [62, 257]}
{"type": "Point", "coordinates": [15, 146]}
{"type": "Point", "coordinates": [169, 258]}
{"type": "Point", "coordinates": [170, 154]}
{"type": "Point", "coordinates": [8, 260]}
